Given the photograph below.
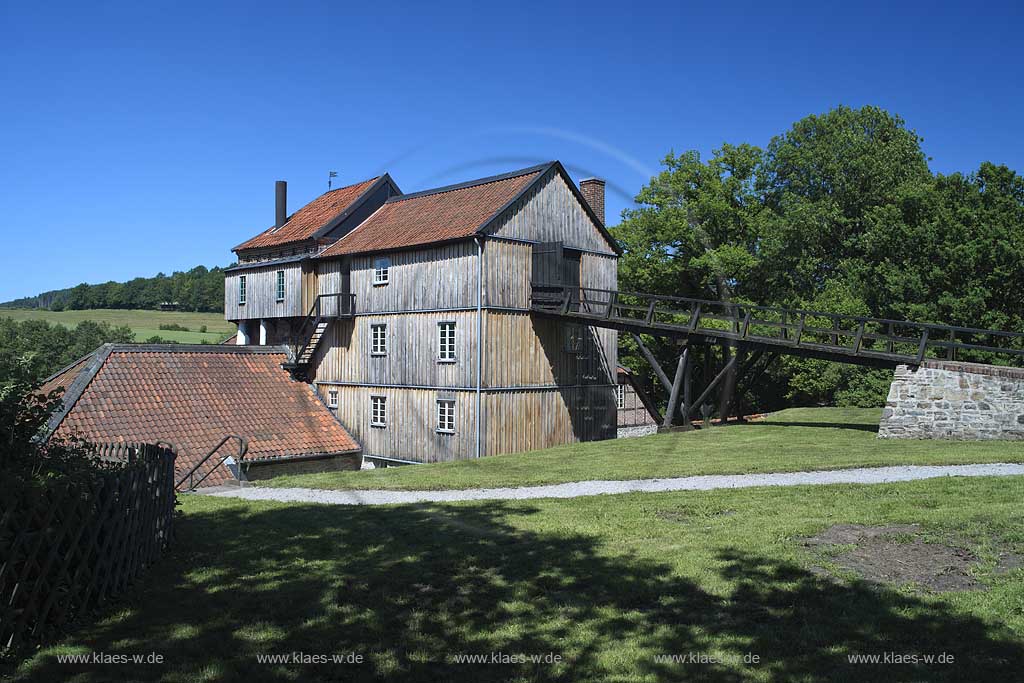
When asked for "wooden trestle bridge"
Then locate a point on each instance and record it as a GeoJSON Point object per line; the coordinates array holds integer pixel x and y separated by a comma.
{"type": "Point", "coordinates": [749, 333]}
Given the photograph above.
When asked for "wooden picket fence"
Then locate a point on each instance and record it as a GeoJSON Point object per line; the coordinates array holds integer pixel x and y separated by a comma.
{"type": "Point", "coordinates": [68, 546]}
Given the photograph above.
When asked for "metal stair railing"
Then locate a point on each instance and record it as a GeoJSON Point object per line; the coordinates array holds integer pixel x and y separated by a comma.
{"type": "Point", "coordinates": [243, 448]}
{"type": "Point", "coordinates": [344, 308]}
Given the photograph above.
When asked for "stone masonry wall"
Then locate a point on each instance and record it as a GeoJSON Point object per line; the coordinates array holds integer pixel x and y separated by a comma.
{"type": "Point", "coordinates": [945, 400]}
{"type": "Point", "coordinates": [633, 432]}
{"type": "Point", "coordinates": [266, 470]}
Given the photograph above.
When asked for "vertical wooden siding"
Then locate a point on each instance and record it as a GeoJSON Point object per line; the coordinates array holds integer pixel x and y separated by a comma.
{"type": "Point", "coordinates": [600, 272]}
{"type": "Point", "coordinates": [344, 354]}
{"type": "Point", "coordinates": [261, 293]}
{"type": "Point", "coordinates": [523, 350]}
{"type": "Point", "coordinates": [439, 277]}
{"type": "Point", "coordinates": [507, 274]}
{"type": "Point", "coordinates": [526, 420]}
{"type": "Point", "coordinates": [411, 433]}
{"type": "Point", "coordinates": [548, 213]}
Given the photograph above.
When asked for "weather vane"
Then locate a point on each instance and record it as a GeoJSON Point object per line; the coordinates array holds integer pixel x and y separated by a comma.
{"type": "Point", "coordinates": [331, 175]}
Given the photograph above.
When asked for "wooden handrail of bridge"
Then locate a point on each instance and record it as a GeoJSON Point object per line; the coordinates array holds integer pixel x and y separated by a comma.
{"type": "Point", "coordinates": [794, 331]}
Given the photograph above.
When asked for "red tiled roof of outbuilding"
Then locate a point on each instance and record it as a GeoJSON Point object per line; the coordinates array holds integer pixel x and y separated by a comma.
{"type": "Point", "coordinates": [193, 396]}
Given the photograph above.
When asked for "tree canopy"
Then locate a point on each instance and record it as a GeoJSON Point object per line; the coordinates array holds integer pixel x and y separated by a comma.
{"type": "Point", "coordinates": [839, 213]}
{"type": "Point", "coordinates": [198, 289]}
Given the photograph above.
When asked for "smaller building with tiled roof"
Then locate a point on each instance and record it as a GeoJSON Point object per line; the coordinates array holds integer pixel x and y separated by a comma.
{"type": "Point", "coordinates": [192, 396]}
{"type": "Point", "coordinates": [323, 220]}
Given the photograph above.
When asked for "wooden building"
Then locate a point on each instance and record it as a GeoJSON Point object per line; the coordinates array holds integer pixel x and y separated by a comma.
{"type": "Point", "coordinates": [410, 313]}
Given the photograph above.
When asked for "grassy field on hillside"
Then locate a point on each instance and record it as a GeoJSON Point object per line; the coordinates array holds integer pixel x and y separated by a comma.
{"type": "Point", "coordinates": [611, 586]}
{"type": "Point", "coordinates": [144, 324]}
{"type": "Point", "coordinates": [788, 441]}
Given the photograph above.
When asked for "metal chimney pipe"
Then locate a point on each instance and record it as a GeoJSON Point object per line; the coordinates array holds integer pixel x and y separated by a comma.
{"type": "Point", "coordinates": [281, 203]}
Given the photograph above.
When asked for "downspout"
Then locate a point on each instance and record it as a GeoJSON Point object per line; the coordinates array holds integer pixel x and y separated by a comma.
{"type": "Point", "coordinates": [479, 341]}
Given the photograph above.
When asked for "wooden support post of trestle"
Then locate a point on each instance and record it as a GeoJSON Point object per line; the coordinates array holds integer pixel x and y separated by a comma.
{"type": "Point", "coordinates": [687, 393]}
{"type": "Point", "coordinates": [750, 365]}
{"type": "Point", "coordinates": [729, 385]}
{"type": "Point", "coordinates": [673, 400]}
{"type": "Point", "coordinates": [653, 362]}
{"type": "Point", "coordinates": [714, 383]}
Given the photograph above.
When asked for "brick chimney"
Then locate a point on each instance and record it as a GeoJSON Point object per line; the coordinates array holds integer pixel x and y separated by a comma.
{"type": "Point", "coordinates": [592, 190]}
{"type": "Point", "coordinates": [280, 203]}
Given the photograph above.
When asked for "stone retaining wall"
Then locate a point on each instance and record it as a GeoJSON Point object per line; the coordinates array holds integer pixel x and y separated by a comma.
{"type": "Point", "coordinates": [275, 468]}
{"type": "Point", "coordinates": [946, 400]}
{"type": "Point", "coordinates": [633, 432]}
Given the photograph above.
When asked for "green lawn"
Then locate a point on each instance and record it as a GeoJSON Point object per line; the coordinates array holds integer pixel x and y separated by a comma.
{"type": "Point", "coordinates": [608, 584]}
{"type": "Point", "coordinates": [144, 324]}
{"type": "Point", "coordinates": [791, 440]}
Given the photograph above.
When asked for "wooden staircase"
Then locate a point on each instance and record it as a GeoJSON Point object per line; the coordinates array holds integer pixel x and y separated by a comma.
{"type": "Point", "coordinates": [325, 310]}
{"type": "Point", "coordinates": [306, 354]}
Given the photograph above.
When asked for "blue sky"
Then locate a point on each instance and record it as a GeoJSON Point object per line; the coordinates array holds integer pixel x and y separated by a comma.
{"type": "Point", "coordinates": [146, 137]}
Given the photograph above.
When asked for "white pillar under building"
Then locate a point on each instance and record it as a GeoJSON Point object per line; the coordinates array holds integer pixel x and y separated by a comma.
{"type": "Point", "coordinates": [242, 338]}
{"type": "Point", "coordinates": [264, 325]}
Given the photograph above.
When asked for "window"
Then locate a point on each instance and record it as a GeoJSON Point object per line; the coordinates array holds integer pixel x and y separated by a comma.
{"type": "Point", "coordinates": [620, 396]}
{"type": "Point", "coordinates": [378, 411]}
{"type": "Point", "coordinates": [381, 271]}
{"type": "Point", "coordinates": [446, 342]}
{"type": "Point", "coordinates": [332, 398]}
{"type": "Point", "coordinates": [378, 340]}
{"type": "Point", "coordinates": [280, 285]}
{"type": "Point", "coordinates": [241, 290]}
{"type": "Point", "coordinates": [446, 415]}
{"type": "Point", "coordinates": [574, 339]}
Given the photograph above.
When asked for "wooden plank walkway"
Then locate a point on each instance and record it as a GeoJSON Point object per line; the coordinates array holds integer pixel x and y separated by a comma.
{"type": "Point", "coordinates": [859, 340]}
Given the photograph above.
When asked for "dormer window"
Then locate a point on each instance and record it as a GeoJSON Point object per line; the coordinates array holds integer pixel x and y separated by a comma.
{"type": "Point", "coordinates": [280, 285]}
{"type": "Point", "coordinates": [381, 271]}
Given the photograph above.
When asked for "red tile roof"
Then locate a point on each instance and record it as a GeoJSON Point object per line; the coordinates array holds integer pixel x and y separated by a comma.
{"type": "Point", "coordinates": [307, 221]}
{"type": "Point", "coordinates": [447, 213]}
{"type": "Point", "coordinates": [193, 396]}
{"type": "Point", "coordinates": [62, 379]}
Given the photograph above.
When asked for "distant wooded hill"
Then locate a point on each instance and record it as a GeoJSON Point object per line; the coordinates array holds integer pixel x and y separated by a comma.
{"type": "Point", "coordinates": [199, 289]}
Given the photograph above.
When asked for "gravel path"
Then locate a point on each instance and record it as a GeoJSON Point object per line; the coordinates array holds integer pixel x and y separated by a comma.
{"type": "Point", "coordinates": [866, 475]}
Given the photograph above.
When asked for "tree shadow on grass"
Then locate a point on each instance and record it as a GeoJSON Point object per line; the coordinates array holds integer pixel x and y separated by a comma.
{"type": "Point", "coordinates": [859, 426]}
{"type": "Point", "coordinates": [412, 587]}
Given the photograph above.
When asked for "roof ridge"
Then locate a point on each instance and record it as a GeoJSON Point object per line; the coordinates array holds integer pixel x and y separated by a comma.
{"type": "Point", "coordinates": [368, 184]}
{"type": "Point", "coordinates": [76, 388]}
{"type": "Point", "coordinates": [66, 368]}
{"type": "Point", "coordinates": [471, 183]}
{"type": "Point", "coordinates": [274, 229]}
{"type": "Point", "coordinates": [197, 348]}
{"type": "Point", "coordinates": [345, 187]}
